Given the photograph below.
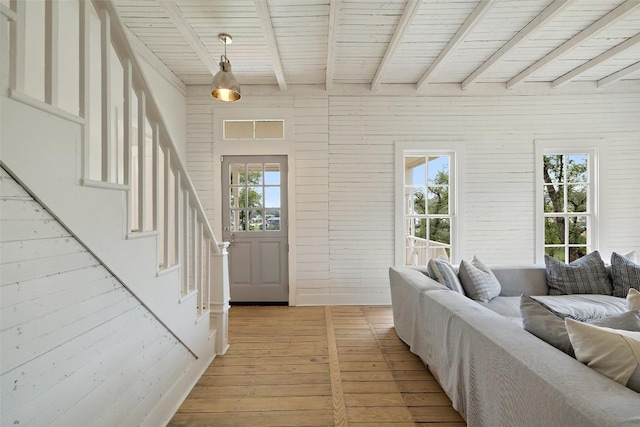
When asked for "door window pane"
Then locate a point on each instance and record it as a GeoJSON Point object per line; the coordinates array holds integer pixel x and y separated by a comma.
{"type": "Point", "coordinates": [272, 174]}
{"type": "Point", "coordinates": [254, 174]}
{"type": "Point", "coordinates": [236, 175]}
{"type": "Point", "coordinates": [272, 197]}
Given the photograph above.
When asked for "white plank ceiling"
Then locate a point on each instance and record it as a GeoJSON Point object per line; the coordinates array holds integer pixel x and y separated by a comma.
{"type": "Point", "coordinates": [388, 42]}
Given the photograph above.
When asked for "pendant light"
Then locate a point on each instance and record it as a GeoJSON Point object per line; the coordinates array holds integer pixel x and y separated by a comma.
{"type": "Point", "coordinates": [225, 87]}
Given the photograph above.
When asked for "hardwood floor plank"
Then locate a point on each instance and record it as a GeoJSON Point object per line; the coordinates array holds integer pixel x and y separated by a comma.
{"type": "Point", "coordinates": [284, 360]}
{"type": "Point", "coordinates": [352, 387]}
{"type": "Point", "coordinates": [262, 419]}
{"type": "Point", "coordinates": [374, 399]}
{"type": "Point", "coordinates": [427, 399]}
{"type": "Point", "coordinates": [434, 414]}
{"type": "Point", "coordinates": [271, 390]}
{"type": "Point", "coordinates": [339, 409]}
{"type": "Point", "coordinates": [228, 380]}
{"type": "Point", "coordinates": [267, 369]}
{"type": "Point", "coordinates": [256, 404]}
{"type": "Point", "coordinates": [378, 415]}
{"type": "Point", "coordinates": [316, 366]}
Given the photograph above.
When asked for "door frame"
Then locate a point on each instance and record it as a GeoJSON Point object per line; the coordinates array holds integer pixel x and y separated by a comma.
{"type": "Point", "coordinates": [284, 147]}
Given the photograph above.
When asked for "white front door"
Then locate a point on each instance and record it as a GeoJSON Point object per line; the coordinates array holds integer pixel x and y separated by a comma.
{"type": "Point", "coordinates": [254, 221]}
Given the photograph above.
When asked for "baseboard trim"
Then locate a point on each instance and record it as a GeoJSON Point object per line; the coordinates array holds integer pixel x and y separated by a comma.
{"type": "Point", "coordinates": [171, 401]}
{"type": "Point", "coordinates": [383, 298]}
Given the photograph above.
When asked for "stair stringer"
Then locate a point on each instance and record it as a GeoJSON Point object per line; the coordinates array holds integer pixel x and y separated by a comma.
{"type": "Point", "coordinates": [45, 153]}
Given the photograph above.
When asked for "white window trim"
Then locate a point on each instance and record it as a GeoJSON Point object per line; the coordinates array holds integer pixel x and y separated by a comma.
{"type": "Point", "coordinates": [422, 147]}
{"type": "Point", "coordinates": [595, 149]}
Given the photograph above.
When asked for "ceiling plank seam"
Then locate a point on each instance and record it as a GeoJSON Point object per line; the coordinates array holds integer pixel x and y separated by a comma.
{"type": "Point", "coordinates": [538, 22]}
{"type": "Point", "coordinates": [189, 34]}
{"type": "Point", "coordinates": [609, 19]}
{"type": "Point", "coordinates": [458, 38]}
{"type": "Point", "coordinates": [605, 56]}
{"type": "Point", "coordinates": [410, 12]}
{"type": "Point", "coordinates": [332, 38]}
{"type": "Point", "coordinates": [619, 75]}
{"type": "Point", "coordinates": [265, 19]}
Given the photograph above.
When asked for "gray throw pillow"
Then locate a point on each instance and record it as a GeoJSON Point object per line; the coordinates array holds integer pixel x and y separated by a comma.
{"type": "Point", "coordinates": [586, 275]}
{"type": "Point", "coordinates": [545, 324]}
{"type": "Point", "coordinates": [478, 281]}
{"type": "Point", "coordinates": [625, 274]}
{"type": "Point", "coordinates": [628, 321]}
{"type": "Point", "coordinates": [549, 325]}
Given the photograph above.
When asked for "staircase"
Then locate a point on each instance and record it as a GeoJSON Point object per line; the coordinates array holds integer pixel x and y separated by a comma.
{"type": "Point", "coordinates": [82, 132]}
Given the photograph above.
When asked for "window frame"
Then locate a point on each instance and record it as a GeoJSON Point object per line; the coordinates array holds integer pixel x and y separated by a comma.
{"type": "Point", "coordinates": [427, 149]}
{"type": "Point", "coordinates": [593, 149]}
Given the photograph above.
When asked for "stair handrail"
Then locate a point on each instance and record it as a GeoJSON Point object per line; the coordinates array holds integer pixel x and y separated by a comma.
{"type": "Point", "coordinates": [123, 43]}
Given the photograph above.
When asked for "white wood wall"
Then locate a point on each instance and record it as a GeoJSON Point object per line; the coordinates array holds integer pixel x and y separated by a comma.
{"type": "Point", "coordinates": [345, 175]}
{"type": "Point", "coordinates": [77, 347]}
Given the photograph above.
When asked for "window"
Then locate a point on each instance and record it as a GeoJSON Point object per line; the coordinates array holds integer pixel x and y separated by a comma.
{"type": "Point", "coordinates": [428, 210]}
{"type": "Point", "coordinates": [253, 129]}
{"type": "Point", "coordinates": [567, 207]}
{"type": "Point", "coordinates": [254, 197]}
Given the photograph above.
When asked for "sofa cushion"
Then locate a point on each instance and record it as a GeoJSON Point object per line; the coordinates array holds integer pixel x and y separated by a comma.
{"type": "Point", "coordinates": [584, 306]}
{"type": "Point", "coordinates": [478, 281]}
{"type": "Point", "coordinates": [445, 274]}
{"type": "Point", "coordinates": [625, 274]}
{"type": "Point", "coordinates": [633, 299]}
{"type": "Point", "coordinates": [612, 352]}
{"type": "Point", "coordinates": [586, 275]}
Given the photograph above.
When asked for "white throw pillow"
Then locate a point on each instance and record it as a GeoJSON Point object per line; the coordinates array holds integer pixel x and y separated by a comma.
{"type": "Point", "coordinates": [612, 352]}
{"type": "Point", "coordinates": [633, 299]}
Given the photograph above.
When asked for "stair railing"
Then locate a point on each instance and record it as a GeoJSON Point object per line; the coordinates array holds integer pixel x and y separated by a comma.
{"type": "Point", "coordinates": [126, 143]}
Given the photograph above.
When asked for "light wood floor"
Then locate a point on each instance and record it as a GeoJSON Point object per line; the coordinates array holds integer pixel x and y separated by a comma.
{"type": "Point", "coordinates": [316, 366]}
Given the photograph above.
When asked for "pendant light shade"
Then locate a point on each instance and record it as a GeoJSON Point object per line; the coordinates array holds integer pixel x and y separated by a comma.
{"type": "Point", "coordinates": [225, 87]}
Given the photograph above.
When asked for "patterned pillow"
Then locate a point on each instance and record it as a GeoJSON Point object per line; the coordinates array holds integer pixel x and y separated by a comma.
{"type": "Point", "coordinates": [478, 280]}
{"type": "Point", "coordinates": [586, 275]}
{"type": "Point", "coordinates": [444, 273]}
{"type": "Point", "coordinates": [625, 274]}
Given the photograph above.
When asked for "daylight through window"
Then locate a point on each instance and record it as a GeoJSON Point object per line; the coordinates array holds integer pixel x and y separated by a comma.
{"type": "Point", "coordinates": [568, 205]}
{"type": "Point", "coordinates": [428, 213]}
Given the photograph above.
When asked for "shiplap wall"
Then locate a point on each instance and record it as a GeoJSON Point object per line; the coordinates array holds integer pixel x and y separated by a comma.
{"type": "Point", "coordinates": [345, 192]}
{"type": "Point", "coordinates": [77, 347]}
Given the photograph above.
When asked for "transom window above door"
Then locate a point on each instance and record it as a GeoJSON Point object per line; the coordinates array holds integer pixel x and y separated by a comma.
{"type": "Point", "coordinates": [253, 129]}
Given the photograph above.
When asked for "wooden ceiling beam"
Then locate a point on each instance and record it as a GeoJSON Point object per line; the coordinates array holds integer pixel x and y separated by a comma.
{"type": "Point", "coordinates": [605, 56]}
{"type": "Point", "coordinates": [458, 38]}
{"type": "Point", "coordinates": [265, 18]}
{"type": "Point", "coordinates": [545, 16]}
{"type": "Point", "coordinates": [609, 19]}
{"type": "Point", "coordinates": [410, 11]}
{"type": "Point", "coordinates": [190, 35]}
{"type": "Point", "coordinates": [332, 42]}
{"type": "Point", "coordinates": [619, 75]}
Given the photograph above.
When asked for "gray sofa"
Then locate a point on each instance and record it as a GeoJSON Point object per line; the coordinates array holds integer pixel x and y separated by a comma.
{"type": "Point", "coordinates": [495, 372]}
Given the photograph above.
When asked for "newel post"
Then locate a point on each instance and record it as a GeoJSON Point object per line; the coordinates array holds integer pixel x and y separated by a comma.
{"type": "Point", "coordinates": [220, 296]}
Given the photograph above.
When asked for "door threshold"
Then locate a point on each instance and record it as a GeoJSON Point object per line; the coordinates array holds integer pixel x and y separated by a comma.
{"type": "Point", "coordinates": [260, 303]}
